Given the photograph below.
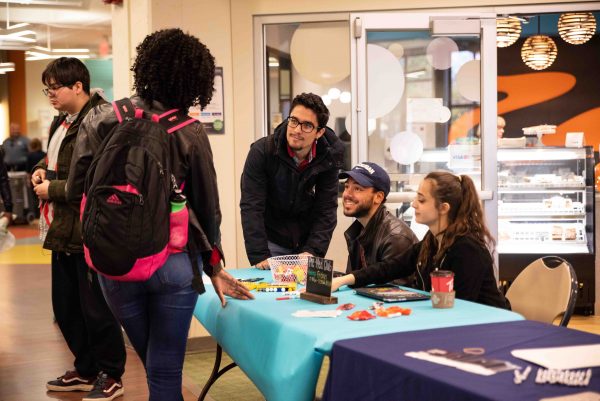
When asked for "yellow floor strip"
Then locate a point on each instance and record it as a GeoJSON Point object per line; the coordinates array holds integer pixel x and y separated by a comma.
{"type": "Point", "coordinates": [26, 255]}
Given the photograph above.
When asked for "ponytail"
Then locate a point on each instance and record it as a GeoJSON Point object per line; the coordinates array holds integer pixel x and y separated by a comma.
{"type": "Point", "coordinates": [465, 217]}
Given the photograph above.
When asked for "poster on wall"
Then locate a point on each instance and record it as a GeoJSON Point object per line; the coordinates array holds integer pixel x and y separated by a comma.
{"type": "Point", "coordinates": [213, 116]}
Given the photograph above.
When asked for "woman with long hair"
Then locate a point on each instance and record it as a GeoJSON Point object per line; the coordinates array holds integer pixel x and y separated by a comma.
{"type": "Point", "coordinates": [172, 70]}
{"type": "Point", "coordinates": [458, 240]}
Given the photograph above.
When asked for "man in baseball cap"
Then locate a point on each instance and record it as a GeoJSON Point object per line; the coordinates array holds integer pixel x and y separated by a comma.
{"type": "Point", "coordinates": [377, 234]}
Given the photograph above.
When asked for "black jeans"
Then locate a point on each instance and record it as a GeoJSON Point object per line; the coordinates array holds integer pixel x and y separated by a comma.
{"type": "Point", "coordinates": [92, 333]}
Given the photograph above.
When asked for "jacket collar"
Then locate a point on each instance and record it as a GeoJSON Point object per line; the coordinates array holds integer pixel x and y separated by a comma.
{"type": "Point", "coordinates": [366, 235]}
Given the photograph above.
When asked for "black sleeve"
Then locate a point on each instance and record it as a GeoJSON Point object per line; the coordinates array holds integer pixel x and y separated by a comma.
{"type": "Point", "coordinates": [468, 261]}
{"type": "Point", "coordinates": [203, 196]}
{"type": "Point", "coordinates": [5, 185]}
{"type": "Point", "coordinates": [324, 213]}
{"type": "Point", "coordinates": [253, 202]}
{"type": "Point", "coordinates": [401, 265]}
{"type": "Point", "coordinates": [93, 129]}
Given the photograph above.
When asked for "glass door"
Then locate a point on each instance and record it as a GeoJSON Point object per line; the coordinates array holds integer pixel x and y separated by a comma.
{"type": "Point", "coordinates": [425, 99]}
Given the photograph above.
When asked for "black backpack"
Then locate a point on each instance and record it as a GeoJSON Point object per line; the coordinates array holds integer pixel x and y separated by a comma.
{"type": "Point", "coordinates": [126, 216]}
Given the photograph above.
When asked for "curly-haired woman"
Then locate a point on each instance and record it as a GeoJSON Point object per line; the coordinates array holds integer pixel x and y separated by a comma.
{"type": "Point", "coordinates": [457, 240]}
{"type": "Point", "coordinates": [173, 70]}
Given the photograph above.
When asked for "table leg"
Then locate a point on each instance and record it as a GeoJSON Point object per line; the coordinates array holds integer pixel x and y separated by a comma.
{"type": "Point", "coordinates": [216, 373]}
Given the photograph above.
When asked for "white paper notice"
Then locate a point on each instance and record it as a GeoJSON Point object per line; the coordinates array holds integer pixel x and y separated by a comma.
{"type": "Point", "coordinates": [575, 357]}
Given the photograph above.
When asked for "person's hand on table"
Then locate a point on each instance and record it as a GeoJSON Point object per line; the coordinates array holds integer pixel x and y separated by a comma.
{"type": "Point", "coordinates": [264, 265]}
{"type": "Point", "coordinates": [337, 282]}
{"type": "Point", "coordinates": [225, 284]}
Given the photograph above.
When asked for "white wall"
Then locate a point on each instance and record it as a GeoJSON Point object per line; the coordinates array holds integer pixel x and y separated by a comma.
{"type": "Point", "coordinates": [39, 110]}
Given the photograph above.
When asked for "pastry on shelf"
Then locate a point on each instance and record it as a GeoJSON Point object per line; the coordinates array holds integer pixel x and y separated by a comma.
{"type": "Point", "coordinates": [571, 234]}
{"type": "Point", "coordinates": [557, 233]}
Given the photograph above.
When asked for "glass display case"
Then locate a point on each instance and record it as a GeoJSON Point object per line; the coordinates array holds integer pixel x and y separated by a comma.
{"type": "Point", "coordinates": [545, 201]}
{"type": "Point", "coordinates": [546, 207]}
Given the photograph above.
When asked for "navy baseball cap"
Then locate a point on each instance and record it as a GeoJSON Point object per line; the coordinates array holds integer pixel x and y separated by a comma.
{"type": "Point", "coordinates": [369, 175]}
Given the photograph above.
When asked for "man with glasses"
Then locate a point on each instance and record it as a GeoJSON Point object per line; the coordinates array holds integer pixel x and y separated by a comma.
{"type": "Point", "coordinates": [87, 324]}
{"type": "Point", "coordinates": [289, 185]}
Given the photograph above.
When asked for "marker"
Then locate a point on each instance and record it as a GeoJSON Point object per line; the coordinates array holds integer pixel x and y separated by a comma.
{"type": "Point", "coordinates": [282, 298]}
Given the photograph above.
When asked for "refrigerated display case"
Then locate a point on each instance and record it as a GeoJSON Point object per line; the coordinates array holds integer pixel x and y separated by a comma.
{"type": "Point", "coordinates": [546, 207]}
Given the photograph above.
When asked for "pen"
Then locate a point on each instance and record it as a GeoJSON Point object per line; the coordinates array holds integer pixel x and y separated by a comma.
{"type": "Point", "coordinates": [282, 298]}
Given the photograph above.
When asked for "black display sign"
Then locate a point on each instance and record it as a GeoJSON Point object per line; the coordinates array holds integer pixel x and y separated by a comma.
{"type": "Point", "coordinates": [319, 276]}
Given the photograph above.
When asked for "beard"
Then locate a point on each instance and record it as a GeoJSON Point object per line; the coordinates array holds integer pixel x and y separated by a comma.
{"type": "Point", "coordinates": [360, 211]}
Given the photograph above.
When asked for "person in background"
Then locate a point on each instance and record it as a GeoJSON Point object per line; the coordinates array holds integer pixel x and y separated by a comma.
{"type": "Point", "coordinates": [15, 149]}
{"type": "Point", "coordinates": [458, 240]}
{"type": "Point", "coordinates": [500, 127]}
{"type": "Point", "coordinates": [35, 153]}
{"type": "Point", "coordinates": [172, 70]}
{"type": "Point", "coordinates": [5, 189]}
{"type": "Point", "coordinates": [87, 324]}
{"type": "Point", "coordinates": [376, 235]}
{"type": "Point", "coordinates": [289, 185]}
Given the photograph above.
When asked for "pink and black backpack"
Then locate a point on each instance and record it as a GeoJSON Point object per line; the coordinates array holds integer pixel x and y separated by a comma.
{"type": "Point", "coordinates": [127, 226]}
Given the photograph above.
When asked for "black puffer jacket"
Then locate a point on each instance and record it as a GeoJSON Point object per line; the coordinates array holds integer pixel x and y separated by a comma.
{"type": "Point", "coordinates": [294, 209]}
{"type": "Point", "coordinates": [385, 237]}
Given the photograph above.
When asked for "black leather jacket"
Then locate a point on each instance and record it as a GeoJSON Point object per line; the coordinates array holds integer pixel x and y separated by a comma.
{"type": "Point", "coordinates": [193, 164]}
{"type": "Point", "coordinates": [294, 209]}
{"type": "Point", "coordinates": [385, 237]}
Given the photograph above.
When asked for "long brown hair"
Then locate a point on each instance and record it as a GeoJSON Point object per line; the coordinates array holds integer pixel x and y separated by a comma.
{"type": "Point", "coordinates": [465, 217]}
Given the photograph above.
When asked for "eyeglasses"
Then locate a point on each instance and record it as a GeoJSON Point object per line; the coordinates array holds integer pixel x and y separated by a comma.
{"type": "Point", "coordinates": [52, 90]}
{"type": "Point", "coordinates": [306, 126]}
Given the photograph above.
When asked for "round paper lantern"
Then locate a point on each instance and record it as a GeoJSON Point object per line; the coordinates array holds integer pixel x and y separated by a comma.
{"type": "Point", "coordinates": [508, 30]}
{"type": "Point", "coordinates": [321, 52]}
{"type": "Point", "coordinates": [539, 52]}
{"type": "Point", "coordinates": [576, 28]}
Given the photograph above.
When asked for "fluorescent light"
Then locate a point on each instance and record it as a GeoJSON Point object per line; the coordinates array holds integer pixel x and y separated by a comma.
{"type": "Point", "coordinates": [43, 53]}
{"type": "Point", "coordinates": [20, 25]}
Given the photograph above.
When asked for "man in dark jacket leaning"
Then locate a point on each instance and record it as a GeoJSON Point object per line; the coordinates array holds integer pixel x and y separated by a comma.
{"type": "Point", "coordinates": [376, 235]}
{"type": "Point", "coordinates": [87, 324]}
{"type": "Point", "coordinates": [289, 185]}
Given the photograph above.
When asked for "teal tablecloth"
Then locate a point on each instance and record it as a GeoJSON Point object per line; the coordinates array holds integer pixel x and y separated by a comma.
{"type": "Point", "coordinates": [282, 354]}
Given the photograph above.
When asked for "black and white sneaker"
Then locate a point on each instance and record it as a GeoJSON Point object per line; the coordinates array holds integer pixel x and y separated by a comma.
{"type": "Point", "coordinates": [105, 388]}
{"type": "Point", "coordinates": [71, 381]}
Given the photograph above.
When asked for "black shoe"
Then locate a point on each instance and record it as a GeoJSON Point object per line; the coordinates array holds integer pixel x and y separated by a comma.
{"type": "Point", "coordinates": [71, 381]}
{"type": "Point", "coordinates": [105, 388]}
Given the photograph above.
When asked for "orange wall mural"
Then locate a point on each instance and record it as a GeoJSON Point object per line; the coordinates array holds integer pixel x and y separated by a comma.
{"type": "Point", "coordinates": [567, 94]}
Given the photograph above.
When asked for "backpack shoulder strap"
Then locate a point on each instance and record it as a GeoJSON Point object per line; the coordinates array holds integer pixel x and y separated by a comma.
{"type": "Point", "coordinates": [124, 108]}
{"type": "Point", "coordinates": [174, 120]}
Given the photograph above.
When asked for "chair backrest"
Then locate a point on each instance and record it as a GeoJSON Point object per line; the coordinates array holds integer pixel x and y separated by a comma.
{"type": "Point", "coordinates": [544, 290]}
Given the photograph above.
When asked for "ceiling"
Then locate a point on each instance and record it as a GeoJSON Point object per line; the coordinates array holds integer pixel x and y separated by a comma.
{"type": "Point", "coordinates": [68, 23]}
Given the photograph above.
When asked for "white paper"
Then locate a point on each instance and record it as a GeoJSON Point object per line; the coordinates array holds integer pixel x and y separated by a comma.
{"type": "Point", "coordinates": [317, 313]}
{"type": "Point", "coordinates": [574, 357]}
{"type": "Point", "coordinates": [467, 367]}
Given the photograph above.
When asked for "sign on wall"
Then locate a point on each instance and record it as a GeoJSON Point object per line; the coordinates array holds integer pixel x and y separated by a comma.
{"type": "Point", "coordinates": [213, 115]}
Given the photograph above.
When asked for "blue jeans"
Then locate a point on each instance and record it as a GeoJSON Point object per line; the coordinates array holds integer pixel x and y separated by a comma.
{"type": "Point", "coordinates": [156, 316]}
{"type": "Point", "coordinates": [278, 250]}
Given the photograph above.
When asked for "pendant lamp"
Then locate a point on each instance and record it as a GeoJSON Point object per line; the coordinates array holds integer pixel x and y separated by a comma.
{"type": "Point", "coordinates": [576, 28]}
{"type": "Point", "coordinates": [508, 30]}
{"type": "Point", "coordinates": [539, 51]}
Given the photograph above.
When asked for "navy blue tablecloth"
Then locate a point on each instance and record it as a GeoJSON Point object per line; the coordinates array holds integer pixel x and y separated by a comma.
{"type": "Point", "coordinates": [375, 368]}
